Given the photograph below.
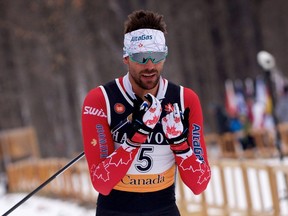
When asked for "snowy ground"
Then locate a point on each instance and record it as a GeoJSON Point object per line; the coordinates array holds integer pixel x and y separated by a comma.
{"type": "Point", "coordinates": [38, 205]}
{"type": "Point", "coordinates": [42, 206]}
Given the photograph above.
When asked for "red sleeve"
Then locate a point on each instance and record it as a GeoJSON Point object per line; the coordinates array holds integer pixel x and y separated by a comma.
{"type": "Point", "coordinates": [107, 166]}
{"type": "Point", "coordinates": [193, 166]}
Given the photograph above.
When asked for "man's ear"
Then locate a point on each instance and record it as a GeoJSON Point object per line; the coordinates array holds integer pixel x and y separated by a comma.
{"type": "Point", "coordinates": [126, 60]}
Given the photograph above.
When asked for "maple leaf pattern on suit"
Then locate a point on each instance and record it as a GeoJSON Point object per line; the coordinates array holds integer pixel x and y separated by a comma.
{"type": "Point", "coordinates": [152, 121]}
{"type": "Point", "coordinates": [152, 115]}
{"type": "Point", "coordinates": [117, 159]}
{"type": "Point", "coordinates": [102, 170]}
{"type": "Point", "coordinates": [173, 132]}
{"type": "Point", "coordinates": [172, 126]}
{"type": "Point", "coordinates": [199, 166]}
{"type": "Point", "coordinates": [169, 108]}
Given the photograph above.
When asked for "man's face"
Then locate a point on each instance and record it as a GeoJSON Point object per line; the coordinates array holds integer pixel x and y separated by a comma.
{"type": "Point", "coordinates": [146, 76]}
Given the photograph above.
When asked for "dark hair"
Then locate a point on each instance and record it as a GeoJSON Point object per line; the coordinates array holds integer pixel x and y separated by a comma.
{"type": "Point", "coordinates": [144, 19]}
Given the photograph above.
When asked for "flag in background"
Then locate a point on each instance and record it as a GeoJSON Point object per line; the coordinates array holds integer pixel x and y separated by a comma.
{"type": "Point", "coordinates": [249, 87]}
{"type": "Point", "coordinates": [249, 92]}
{"type": "Point", "coordinates": [260, 90]}
{"type": "Point", "coordinates": [251, 100]}
{"type": "Point", "coordinates": [230, 99]}
{"type": "Point", "coordinates": [263, 107]}
{"type": "Point", "coordinates": [240, 98]}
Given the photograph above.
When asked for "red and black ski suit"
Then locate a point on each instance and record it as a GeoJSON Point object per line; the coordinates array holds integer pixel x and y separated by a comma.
{"type": "Point", "coordinates": [123, 173]}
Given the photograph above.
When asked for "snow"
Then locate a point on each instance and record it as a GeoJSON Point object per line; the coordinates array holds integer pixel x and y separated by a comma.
{"type": "Point", "coordinates": [43, 206]}
{"type": "Point", "coordinates": [38, 205]}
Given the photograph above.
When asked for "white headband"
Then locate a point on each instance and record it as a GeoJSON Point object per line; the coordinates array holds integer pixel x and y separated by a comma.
{"type": "Point", "coordinates": [144, 40]}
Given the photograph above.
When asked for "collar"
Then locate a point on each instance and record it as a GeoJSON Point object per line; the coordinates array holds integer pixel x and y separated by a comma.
{"type": "Point", "coordinates": [161, 90]}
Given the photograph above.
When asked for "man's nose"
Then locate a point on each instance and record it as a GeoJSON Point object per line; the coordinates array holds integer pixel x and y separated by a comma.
{"type": "Point", "coordinates": [150, 65]}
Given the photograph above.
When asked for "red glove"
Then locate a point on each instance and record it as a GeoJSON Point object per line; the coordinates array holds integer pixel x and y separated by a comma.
{"type": "Point", "coordinates": [176, 127]}
{"type": "Point", "coordinates": [144, 118]}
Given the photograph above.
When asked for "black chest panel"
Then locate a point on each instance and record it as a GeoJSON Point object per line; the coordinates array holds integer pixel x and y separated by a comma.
{"type": "Point", "coordinates": [120, 109]}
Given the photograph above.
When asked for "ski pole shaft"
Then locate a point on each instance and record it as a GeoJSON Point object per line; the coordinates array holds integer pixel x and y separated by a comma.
{"type": "Point", "coordinates": [117, 127]}
{"type": "Point", "coordinates": [44, 183]}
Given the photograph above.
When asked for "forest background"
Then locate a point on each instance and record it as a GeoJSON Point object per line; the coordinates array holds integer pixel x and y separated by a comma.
{"type": "Point", "coordinates": [52, 52]}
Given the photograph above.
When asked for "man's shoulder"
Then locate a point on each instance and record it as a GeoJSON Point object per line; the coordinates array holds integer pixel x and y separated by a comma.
{"type": "Point", "coordinates": [110, 83]}
{"type": "Point", "coordinates": [186, 89]}
{"type": "Point", "coordinates": [114, 82]}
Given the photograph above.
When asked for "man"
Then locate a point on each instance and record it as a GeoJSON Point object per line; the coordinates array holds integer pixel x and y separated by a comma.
{"type": "Point", "coordinates": [138, 128]}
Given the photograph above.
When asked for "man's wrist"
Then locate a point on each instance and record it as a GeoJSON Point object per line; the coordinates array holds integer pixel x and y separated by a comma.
{"type": "Point", "coordinates": [130, 143]}
{"type": "Point", "coordinates": [138, 138]}
{"type": "Point", "coordinates": [180, 148]}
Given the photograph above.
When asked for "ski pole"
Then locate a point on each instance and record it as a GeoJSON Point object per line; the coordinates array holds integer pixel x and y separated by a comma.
{"type": "Point", "coordinates": [44, 183]}
{"type": "Point", "coordinates": [116, 128]}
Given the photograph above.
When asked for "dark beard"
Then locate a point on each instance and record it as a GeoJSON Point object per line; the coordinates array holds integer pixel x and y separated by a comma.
{"type": "Point", "coordinates": [149, 85]}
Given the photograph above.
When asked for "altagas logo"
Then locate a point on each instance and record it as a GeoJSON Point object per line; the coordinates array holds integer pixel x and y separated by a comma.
{"type": "Point", "coordinates": [142, 37]}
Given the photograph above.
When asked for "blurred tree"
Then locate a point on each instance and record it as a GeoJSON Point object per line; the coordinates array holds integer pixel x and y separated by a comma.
{"type": "Point", "coordinates": [52, 52]}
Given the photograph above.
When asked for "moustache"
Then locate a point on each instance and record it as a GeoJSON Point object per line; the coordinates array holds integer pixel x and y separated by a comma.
{"type": "Point", "coordinates": [149, 71]}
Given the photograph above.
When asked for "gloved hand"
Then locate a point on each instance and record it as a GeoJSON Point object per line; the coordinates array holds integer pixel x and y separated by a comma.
{"type": "Point", "coordinates": [176, 126]}
{"type": "Point", "coordinates": [144, 118]}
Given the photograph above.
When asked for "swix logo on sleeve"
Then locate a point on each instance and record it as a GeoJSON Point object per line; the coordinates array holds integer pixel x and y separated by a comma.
{"type": "Point", "coordinates": [94, 111]}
